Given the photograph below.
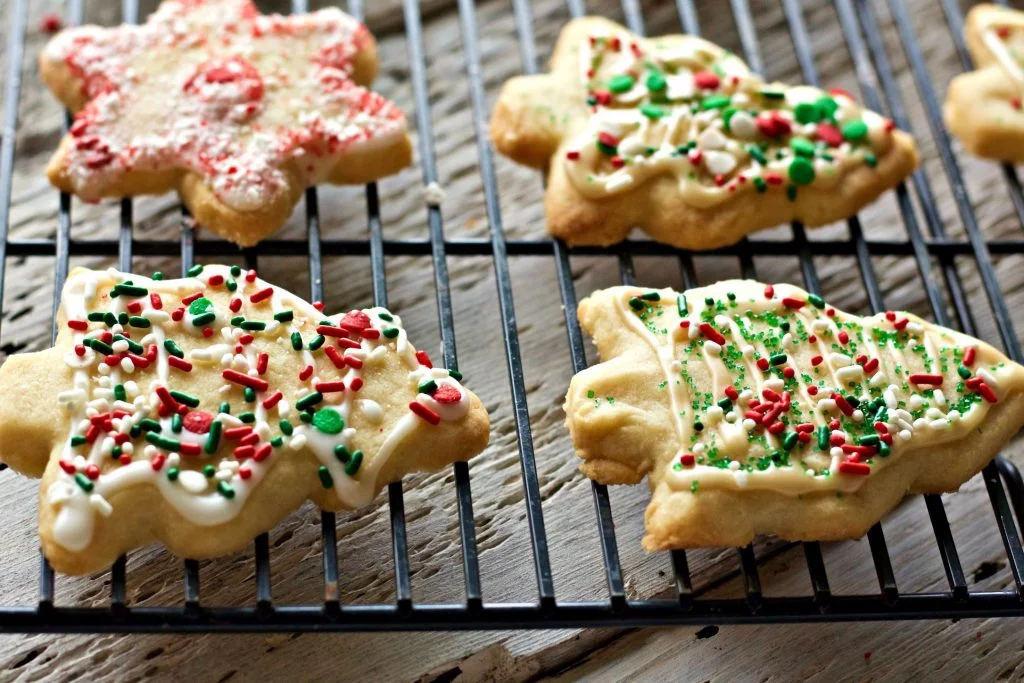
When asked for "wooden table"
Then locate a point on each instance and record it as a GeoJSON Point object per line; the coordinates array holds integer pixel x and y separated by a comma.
{"type": "Point", "coordinates": [986, 650]}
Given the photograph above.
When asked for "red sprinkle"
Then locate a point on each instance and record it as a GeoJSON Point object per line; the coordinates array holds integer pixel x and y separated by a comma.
{"type": "Point", "coordinates": [179, 363]}
{"type": "Point", "coordinates": [425, 412]}
{"type": "Point", "coordinates": [262, 361]}
{"type": "Point", "coordinates": [92, 471]}
{"type": "Point", "coordinates": [79, 325]}
{"type": "Point", "coordinates": [844, 338]}
{"type": "Point", "coordinates": [208, 332]}
{"type": "Point", "coordinates": [80, 349]}
{"type": "Point", "coordinates": [68, 467]}
{"type": "Point", "coordinates": [423, 359]}
{"type": "Point", "coordinates": [135, 308]}
{"type": "Point", "coordinates": [330, 387]}
{"type": "Point", "coordinates": [191, 297]}
{"type": "Point", "coordinates": [335, 356]}
{"type": "Point", "coordinates": [843, 404]}
{"type": "Point", "coordinates": [215, 280]}
{"type": "Point", "coordinates": [858, 468]}
{"type": "Point", "coordinates": [188, 448]}
{"type": "Point", "coordinates": [306, 373]}
{"type": "Point", "coordinates": [262, 295]}
{"type": "Point", "coordinates": [791, 302]}
{"type": "Point", "coordinates": [711, 333]}
{"type": "Point", "coordinates": [370, 334]}
{"type": "Point", "coordinates": [706, 80]}
{"type": "Point", "coordinates": [932, 380]}
{"type": "Point", "coordinates": [243, 452]}
{"type": "Point", "coordinates": [812, 390]}
{"type": "Point", "coordinates": [871, 366]}
{"type": "Point", "coordinates": [900, 324]}
{"type": "Point", "coordinates": [245, 380]}
{"type": "Point", "coordinates": [155, 301]}
{"type": "Point", "coordinates": [197, 421]}
{"type": "Point", "coordinates": [762, 364]}
{"type": "Point", "coordinates": [829, 134]}
{"type": "Point", "coordinates": [250, 439]}
{"type": "Point", "coordinates": [572, 155]}
{"type": "Point", "coordinates": [969, 354]}
{"type": "Point", "coordinates": [177, 314]}
{"type": "Point", "coordinates": [250, 276]}
{"type": "Point", "coordinates": [331, 331]}
{"type": "Point", "coordinates": [244, 472]}
{"type": "Point", "coordinates": [816, 360]}
{"type": "Point", "coordinates": [166, 398]}
{"type": "Point", "coordinates": [356, 384]}
{"type": "Point", "coordinates": [777, 428]}
{"type": "Point", "coordinates": [157, 462]}
{"type": "Point", "coordinates": [51, 23]}
{"type": "Point", "coordinates": [731, 392]}
{"type": "Point", "coordinates": [687, 460]}
{"type": "Point", "coordinates": [890, 316]}
{"type": "Point", "coordinates": [235, 305]}
{"type": "Point", "coordinates": [237, 432]}
{"type": "Point", "coordinates": [607, 139]}
{"type": "Point", "coordinates": [262, 453]}
{"type": "Point", "coordinates": [353, 362]}
{"type": "Point", "coordinates": [272, 400]}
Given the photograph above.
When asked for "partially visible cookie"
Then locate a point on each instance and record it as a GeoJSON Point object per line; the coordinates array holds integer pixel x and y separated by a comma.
{"type": "Point", "coordinates": [755, 409]}
{"type": "Point", "coordinates": [676, 136]}
{"type": "Point", "coordinates": [236, 111]}
{"type": "Point", "coordinates": [983, 107]}
{"type": "Point", "coordinates": [199, 412]}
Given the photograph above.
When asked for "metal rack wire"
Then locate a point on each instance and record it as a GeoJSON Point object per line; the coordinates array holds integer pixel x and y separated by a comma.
{"type": "Point", "coordinates": [860, 29]}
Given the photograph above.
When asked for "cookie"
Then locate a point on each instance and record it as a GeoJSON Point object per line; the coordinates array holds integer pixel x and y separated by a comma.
{"type": "Point", "coordinates": [236, 111]}
{"type": "Point", "coordinates": [676, 136]}
{"type": "Point", "coordinates": [759, 409]}
{"type": "Point", "coordinates": [983, 107]}
{"type": "Point", "coordinates": [199, 412]}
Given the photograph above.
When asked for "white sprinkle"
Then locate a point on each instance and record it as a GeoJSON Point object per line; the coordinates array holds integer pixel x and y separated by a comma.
{"type": "Point", "coordinates": [915, 402]}
{"type": "Point", "coordinates": [989, 378]}
{"type": "Point", "coordinates": [749, 424]}
{"type": "Point", "coordinates": [100, 505]}
{"type": "Point", "coordinates": [941, 423]}
{"type": "Point", "coordinates": [840, 360]}
{"type": "Point", "coordinates": [827, 405]}
{"type": "Point", "coordinates": [734, 465]}
{"type": "Point", "coordinates": [192, 481]}
{"type": "Point", "coordinates": [836, 452]}
{"type": "Point", "coordinates": [851, 373]}
{"type": "Point", "coordinates": [713, 347]}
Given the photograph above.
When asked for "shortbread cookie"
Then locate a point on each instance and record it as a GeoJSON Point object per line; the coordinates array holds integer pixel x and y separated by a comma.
{"type": "Point", "coordinates": [199, 412]}
{"type": "Point", "coordinates": [676, 136]}
{"type": "Point", "coordinates": [983, 107]}
{"type": "Point", "coordinates": [236, 111]}
{"type": "Point", "coordinates": [756, 409]}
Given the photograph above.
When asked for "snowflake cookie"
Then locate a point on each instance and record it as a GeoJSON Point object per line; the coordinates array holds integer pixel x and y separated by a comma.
{"type": "Point", "coordinates": [755, 408]}
{"type": "Point", "coordinates": [200, 411]}
{"type": "Point", "coordinates": [676, 136]}
{"type": "Point", "coordinates": [237, 111]}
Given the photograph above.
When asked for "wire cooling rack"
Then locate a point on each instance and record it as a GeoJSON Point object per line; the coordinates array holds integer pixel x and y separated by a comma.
{"type": "Point", "coordinates": [927, 246]}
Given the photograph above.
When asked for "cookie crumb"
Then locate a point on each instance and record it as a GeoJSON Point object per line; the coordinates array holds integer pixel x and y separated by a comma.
{"type": "Point", "coordinates": [51, 23]}
{"type": "Point", "coordinates": [433, 194]}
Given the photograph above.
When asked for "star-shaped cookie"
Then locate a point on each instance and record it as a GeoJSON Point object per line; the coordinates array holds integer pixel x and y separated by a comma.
{"type": "Point", "coordinates": [199, 412]}
{"type": "Point", "coordinates": [983, 107]}
{"type": "Point", "coordinates": [236, 111]}
{"type": "Point", "coordinates": [754, 409]}
{"type": "Point", "coordinates": [676, 136]}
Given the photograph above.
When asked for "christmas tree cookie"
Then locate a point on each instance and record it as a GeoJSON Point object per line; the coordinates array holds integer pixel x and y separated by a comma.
{"type": "Point", "coordinates": [754, 409]}
{"type": "Point", "coordinates": [199, 412]}
{"type": "Point", "coordinates": [236, 111]}
{"type": "Point", "coordinates": [676, 136]}
{"type": "Point", "coordinates": [983, 107]}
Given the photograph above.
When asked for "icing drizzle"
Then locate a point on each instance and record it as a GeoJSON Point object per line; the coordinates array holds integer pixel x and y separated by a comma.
{"type": "Point", "coordinates": [771, 388]}
{"type": "Point", "coordinates": [135, 342]}
{"type": "Point", "coordinates": [689, 109]}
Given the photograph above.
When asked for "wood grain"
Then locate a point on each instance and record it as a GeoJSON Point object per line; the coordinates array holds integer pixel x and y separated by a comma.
{"type": "Point", "coordinates": [736, 653]}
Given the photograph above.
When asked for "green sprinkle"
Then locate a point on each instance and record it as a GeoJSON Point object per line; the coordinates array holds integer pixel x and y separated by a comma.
{"type": "Point", "coordinates": [698, 426]}
{"type": "Point", "coordinates": [249, 394]}
{"type": "Point", "coordinates": [964, 372]}
{"type": "Point", "coordinates": [681, 306]}
{"type": "Point", "coordinates": [139, 321]}
{"type": "Point", "coordinates": [789, 441]}
{"type": "Point", "coordinates": [316, 342]}
{"type": "Point", "coordinates": [176, 423]}
{"type": "Point", "coordinates": [802, 147]}
{"type": "Point", "coordinates": [621, 83]}
{"type": "Point", "coordinates": [200, 305]}
{"type": "Point", "coordinates": [296, 341]}
{"type": "Point", "coordinates": [854, 130]}
{"type": "Point", "coordinates": [772, 94]}
{"type": "Point", "coordinates": [656, 81]}
{"type": "Point", "coordinates": [173, 348]}
{"type": "Point", "coordinates": [84, 482]}
{"type": "Point", "coordinates": [591, 394]}
{"type": "Point", "coordinates": [390, 332]}
{"type": "Point", "coordinates": [455, 374]}
{"type": "Point", "coordinates": [777, 358]}
{"type": "Point", "coordinates": [194, 270]}
{"type": "Point", "coordinates": [213, 437]}
{"type": "Point", "coordinates": [158, 275]}
{"type": "Point", "coordinates": [133, 346]}
{"type": "Point", "coordinates": [715, 102]}
{"type": "Point", "coordinates": [204, 319]}
{"type": "Point", "coordinates": [98, 346]}
{"type": "Point", "coordinates": [95, 317]}
{"type": "Point", "coordinates": [172, 473]}
{"type": "Point", "coordinates": [807, 112]}
{"type": "Point", "coordinates": [328, 421]}
{"type": "Point", "coordinates": [120, 394]}
{"type": "Point", "coordinates": [884, 449]}
{"type": "Point", "coordinates": [78, 440]}
{"type": "Point", "coordinates": [277, 441]}
{"type": "Point", "coordinates": [209, 471]}
{"type": "Point", "coordinates": [309, 400]}
{"type": "Point", "coordinates": [237, 320]}
{"type": "Point", "coordinates": [130, 290]}
{"type": "Point", "coordinates": [801, 171]}
{"type": "Point", "coordinates": [253, 325]}
{"type": "Point", "coordinates": [652, 111]}
{"type": "Point", "coordinates": [870, 159]}
{"type": "Point", "coordinates": [341, 453]}
{"type": "Point", "coordinates": [636, 304]}
{"type": "Point", "coordinates": [827, 106]}
{"type": "Point", "coordinates": [188, 399]}
{"type": "Point", "coordinates": [247, 417]}
{"type": "Point", "coordinates": [760, 184]}
{"type": "Point", "coordinates": [353, 464]}
{"type": "Point", "coordinates": [651, 296]}
{"type": "Point", "coordinates": [326, 480]}
{"type": "Point", "coordinates": [284, 316]}
{"type": "Point", "coordinates": [428, 387]}
{"type": "Point", "coordinates": [225, 489]}
{"type": "Point", "coordinates": [236, 271]}
{"type": "Point", "coordinates": [163, 442]}
{"type": "Point", "coordinates": [148, 424]}
{"type": "Point", "coordinates": [869, 440]}
{"type": "Point", "coordinates": [116, 452]}
{"type": "Point", "coordinates": [232, 285]}
{"type": "Point", "coordinates": [694, 485]}
{"type": "Point", "coordinates": [725, 403]}
{"type": "Point", "coordinates": [791, 193]}
{"type": "Point", "coordinates": [225, 407]}
{"type": "Point", "coordinates": [757, 155]}
{"type": "Point", "coordinates": [816, 300]}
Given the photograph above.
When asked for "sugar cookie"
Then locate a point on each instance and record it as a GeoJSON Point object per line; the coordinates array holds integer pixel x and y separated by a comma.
{"type": "Point", "coordinates": [199, 412]}
{"type": "Point", "coordinates": [754, 408]}
{"type": "Point", "coordinates": [236, 111]}
{"type": "Point", "coordinates": [676, 136]}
